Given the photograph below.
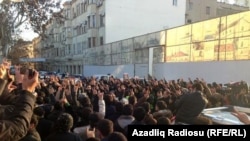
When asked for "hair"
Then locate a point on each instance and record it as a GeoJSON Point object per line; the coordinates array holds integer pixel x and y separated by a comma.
{"type": "Point", "coordinates": [59, 106]}
{"type": "Point", "coordinates": [127, 109]}
{"type": "Point", "coordinates": [64, 122]}
{"type": "Point", "coordinates": [105, 126]}
{"type": "Point", "coordinates": [119, 106]}
{"type": "Point", "coordinates": [146, 106]}
{"type": "Point", "coordinates": [40, 100]}
{"type": "Point", "coordinates": [161, 105]}
{"type": "Point", "coordinates": [85, 101]}
{"type": "Point", "coordinates": [117, 136]}
{"type": "Point", "coordinates": [108, 99]}
{"type": "Point", "coordinates": [132, 100]}
{"type": "Point", "coordinates": [84, 112]}
{"type": "Point", "coordinates": [163, 121]}
{"type": "Point", "coordinates": [34, 120]}
{"type": "Point", "coordinates": [198, 86]}
{"type": "Point", "coordinates": [39, 111]}
{"type": "Point", "coordinates": [139, 113]}
{"type": "Point", "coordinates": [94, 118]}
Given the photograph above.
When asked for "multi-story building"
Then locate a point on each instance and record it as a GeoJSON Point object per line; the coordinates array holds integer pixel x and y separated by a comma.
{"type": "Point", "coordinates": [200, 10]}
{"type": "Point", "coordinates": [95, 23]}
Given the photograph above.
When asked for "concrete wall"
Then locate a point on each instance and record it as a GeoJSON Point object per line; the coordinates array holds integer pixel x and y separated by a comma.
{"type": "Point", "coordinates": [221, 72]}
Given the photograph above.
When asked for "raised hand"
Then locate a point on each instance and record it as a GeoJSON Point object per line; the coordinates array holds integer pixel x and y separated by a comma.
{"type": "Point", "coordinates": [30, 84]}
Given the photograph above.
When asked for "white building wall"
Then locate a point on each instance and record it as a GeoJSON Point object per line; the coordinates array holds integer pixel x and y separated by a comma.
{"type": "Point", "coordinates": [116, 71]}
{"type": "Point", "coordinates": [220, 72]}
{"type": "Point", "coordinates": [130, 18]}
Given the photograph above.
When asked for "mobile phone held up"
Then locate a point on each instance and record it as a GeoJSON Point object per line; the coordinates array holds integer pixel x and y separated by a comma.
{"type": "Point", "coordinates": [12, 70]}
{"type": "Point", "coordinates": [31, 73]}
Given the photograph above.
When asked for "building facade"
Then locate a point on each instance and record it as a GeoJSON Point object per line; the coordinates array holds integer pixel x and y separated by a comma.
{"type": "Point", "coordinates": [114, 32]}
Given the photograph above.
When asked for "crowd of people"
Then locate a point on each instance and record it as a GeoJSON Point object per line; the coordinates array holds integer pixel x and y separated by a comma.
{"type": "Point", "coordinates": [69, 109]}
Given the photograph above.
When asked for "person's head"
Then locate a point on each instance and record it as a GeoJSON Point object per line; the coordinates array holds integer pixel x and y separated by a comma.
{"type": "Point", "coordinates": [117, 136]}
{"type": "Point", "coordinates": [51, 89]}
{"type": "Point", "coordinates": [160, 105]}
{"type": "Point", "coordinates": [59, 106]}
{"type": "Point", "coordinates": [146, 106]}
{"type": "Point", "coordinates": [166, 93]}
{"type": "Point", "coordinates": [198, 87]}
{"type": "Point", "coordinates": [119, 106]}
{"type": "Point", "coordinates": [40, 100]}
{"type": "Point", "coordinates": [127, 110]}
{"type": "Point", "coordinates": [84, 113]}
{"type": "Point", "coordinates": [163, 121]}
{"type": "Point", "coordinates": [109, 99]}
{"type": "Point", "coordinates": [94, 118]}
{"type": "Point", "coordinates": [33, 122]}
{"type": "Point", "coordinates": [139, 113]}
{"type": "Point", "coordinates": [85, 101]}
{"type": "Point", "coordinates": [132, 100]}
{"type": "Point", "coordinates": [104, 127]}
{"type": "Point", "coordinates": [39, 111]}
{"type": "Point", "coordinates": [64, 122]}
{"type": "Point", "coordinates": [159, 93]}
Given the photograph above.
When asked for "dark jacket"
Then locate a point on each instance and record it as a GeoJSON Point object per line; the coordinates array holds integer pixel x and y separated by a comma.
{"type": "Point", "coordinates": [63, 136]}
{"type": "Point", "coordinates": [190, 106]}
{"type": "Point", "coordinates": [5, 97]}
{"type": "Point", "coordinates": [32, 135]}
{"type": "Point", "coordinates": [44, 128]}
{"type": "Point", "coordinates": [17, 125]}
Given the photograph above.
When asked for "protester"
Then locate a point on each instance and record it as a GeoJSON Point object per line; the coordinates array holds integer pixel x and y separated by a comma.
{"type": "Point", "coordinates": [17, 125]}
{"type": "Point", "coordinates": [62, 130]}
{"type": "Point", "coordinates": [190, 106]}
{"type": "Point", "coordinates": [176, 102]}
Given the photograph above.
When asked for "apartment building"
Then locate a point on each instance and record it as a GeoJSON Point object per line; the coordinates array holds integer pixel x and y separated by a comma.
{"type": "Point", "coordinates": [94, 23]}
{"type": "Point", "coordinates": [200, 10]}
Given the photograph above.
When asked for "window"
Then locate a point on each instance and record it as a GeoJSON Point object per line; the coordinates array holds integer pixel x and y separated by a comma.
{"type": "Point", "coordinates": [89, 42]}
{"type": "Point", "coordinates": [93, 20]}
{"type": "Point", "coordinates": [82, 29]}
{"type": "Point", "coordinates": [68, 48]}
{"type": "Point", "coordinates": [88, 21]}
{"type": "Point", "coordinates": [101, 40]}
{"type": "Point", "coordinates": [85, 6]}
{"type": "Point", "coordinates": [74, 49]}
{"type": "Point", "coordinates": [83, 46]}
{"type": "Point", "coordinates": [102, 17]}
{"type": "Point", "coordinates": [79, 48]}
{"type": "Point", "coordinates": [174, 2]}
{"type": "Point", "coordinates": [94, 41]}
{"type": "Point", "coordinates": [78, 10]}
{"type": "Point", "coordinates": [208, 10]}
{"type": "Point", "coordinates": [68, 13]}
{"type": "Point", "coordinates": [82, 7]}
{"type": "Point", "coordinates": [189, 21]}
{"type": "Point", "coordinates": [190, 5]}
